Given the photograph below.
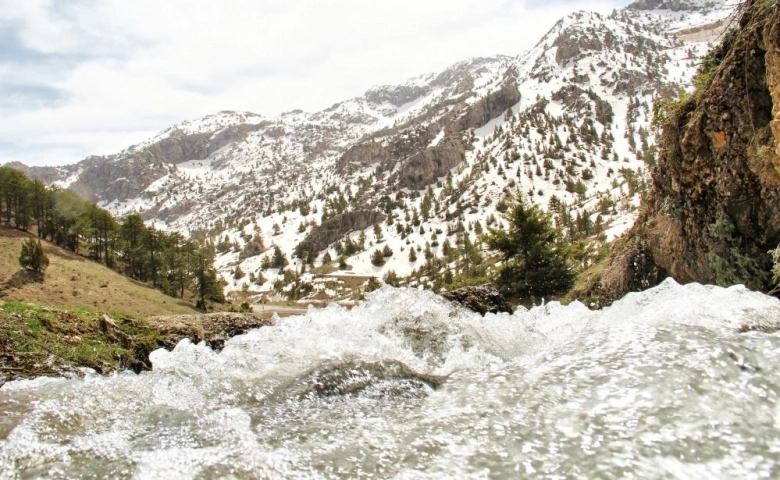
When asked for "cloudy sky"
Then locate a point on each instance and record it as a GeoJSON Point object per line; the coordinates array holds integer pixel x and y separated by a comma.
{"type": "Point", "coordinates": [82, 77]}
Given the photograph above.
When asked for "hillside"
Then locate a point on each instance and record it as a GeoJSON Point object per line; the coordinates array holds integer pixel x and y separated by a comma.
{"type": "Point", "coordinates": [73, 281]}
{"type": "Point", "coordinates": [427, 165]}
{"type": "Point", "coordinates": [82, 314]}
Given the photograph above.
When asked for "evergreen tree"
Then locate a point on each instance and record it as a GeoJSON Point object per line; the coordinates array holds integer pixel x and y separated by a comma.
{"type": "Point", "coordinates": [278, 260]}
{"type": "Point", "coordinates": [377, 259]}
{"type": "Point", "coordinates": [534, 260]}
{"type": "Point", "coordinates": [33, 257]}
{"type": "Point", "coordinates": [132, 232]}
{"type": "Point", "coordinates": [471, 257]}
{"type": "Point", "coordinates": [378, 235]}
{"type": "Point", "coordinates": [209, 289]}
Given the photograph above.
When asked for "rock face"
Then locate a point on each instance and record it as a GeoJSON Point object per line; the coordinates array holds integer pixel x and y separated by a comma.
{"type": "Point", "coordinates": [481, 298]}
{"type": "Point", "coordinates": [714, 209]}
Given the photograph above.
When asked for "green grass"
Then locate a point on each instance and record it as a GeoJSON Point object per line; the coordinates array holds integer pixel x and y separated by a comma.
{"type": "Point", "coordinates": [33, 336]}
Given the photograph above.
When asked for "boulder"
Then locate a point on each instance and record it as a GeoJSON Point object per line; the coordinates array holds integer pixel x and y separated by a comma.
{"type": "Point", "coordinates": [480, 298]}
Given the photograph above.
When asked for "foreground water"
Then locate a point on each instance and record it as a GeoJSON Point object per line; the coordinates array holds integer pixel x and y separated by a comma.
{"type": "Point", "coordinates": [677, 381]}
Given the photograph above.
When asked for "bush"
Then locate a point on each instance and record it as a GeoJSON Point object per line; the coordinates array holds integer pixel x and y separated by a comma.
{"type": "Point", "coordinates": [33, 257]}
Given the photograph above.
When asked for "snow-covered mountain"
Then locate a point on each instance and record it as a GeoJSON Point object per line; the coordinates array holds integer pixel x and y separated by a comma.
{"type": "Point", "coordinates": [425, 165]}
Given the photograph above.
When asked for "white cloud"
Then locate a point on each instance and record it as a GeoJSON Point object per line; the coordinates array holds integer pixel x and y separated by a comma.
{"type": "Point", "coordinates": [91, 77]}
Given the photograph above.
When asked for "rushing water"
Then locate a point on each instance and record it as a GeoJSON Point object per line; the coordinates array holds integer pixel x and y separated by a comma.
{"type": "Point", "coordinates": [677, 381]}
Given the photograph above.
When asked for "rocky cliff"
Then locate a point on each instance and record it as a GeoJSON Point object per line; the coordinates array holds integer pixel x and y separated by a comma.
{"type": "Point", "coordinates": [714, 207]}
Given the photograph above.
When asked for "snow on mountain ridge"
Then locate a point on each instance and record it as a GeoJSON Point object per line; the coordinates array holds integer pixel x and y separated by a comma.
{"type": "Point", "coordinates": [577, 134]}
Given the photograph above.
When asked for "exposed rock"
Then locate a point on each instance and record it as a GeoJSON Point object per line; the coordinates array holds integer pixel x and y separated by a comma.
{"type": "Point", "coordinates": [585, 102]}
{"type": "Point", "coordinates": [481, 298]}
{"type": "Point", "coordinates": [424, 167]}
{"type": "Point", "coordinates": [127, 174]}
{"type": "Point", "coordinates": [336, 227]}
{"type": "Point", "coordinates": [112, 331]}
{"type": "Point", "coordinates": [491, 106]}
{"type": "Point", "coordinates": [673, 5]}
{"type": "Point", "coordinates": [714, 209]}
{"type": "Point", "coordinates": [396, 95]}
{"type": "Point", "coordinates": [44, 174]}
{"type": "Point", "coordinates": [212, 328]}
{"type": "Point", "coordinates": [573, 42]}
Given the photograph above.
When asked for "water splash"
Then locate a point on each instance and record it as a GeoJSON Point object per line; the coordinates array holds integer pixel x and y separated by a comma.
{"type": "Point", "coordinates": [677, 381]}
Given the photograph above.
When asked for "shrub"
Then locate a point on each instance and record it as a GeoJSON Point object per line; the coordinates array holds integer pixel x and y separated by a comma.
{"type": "Point", "coordinates": [33, 257]}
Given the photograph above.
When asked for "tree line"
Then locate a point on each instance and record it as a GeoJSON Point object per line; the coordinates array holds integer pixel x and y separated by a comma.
{"type": "Point", "coordinates": [166, 260]}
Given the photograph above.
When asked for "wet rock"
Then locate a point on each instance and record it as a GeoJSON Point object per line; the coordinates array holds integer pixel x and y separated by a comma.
{"type": "Point", "coordinates": [481, 298]}
{"type": "Point", "coordinates": [387, 379]}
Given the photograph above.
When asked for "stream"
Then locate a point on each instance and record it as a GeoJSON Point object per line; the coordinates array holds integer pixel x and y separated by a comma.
{"type": "Point", "coordinates": [674, 382]}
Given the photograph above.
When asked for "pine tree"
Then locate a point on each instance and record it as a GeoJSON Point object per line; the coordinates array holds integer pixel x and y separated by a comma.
{"type": "Point", "coordinates": [278, 260]}
{"type": "Point", "coordinates": [209, 289]}
{"type": "Point", "coordinates": [33, 257]}
{"type": "Point", "coordinates": [534, 260]}
{"type": "Point", "coordinates": [377, 259]}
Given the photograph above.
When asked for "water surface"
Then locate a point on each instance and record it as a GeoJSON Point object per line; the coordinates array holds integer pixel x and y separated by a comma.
{"type": "Point", "coordinates": [677, 381]}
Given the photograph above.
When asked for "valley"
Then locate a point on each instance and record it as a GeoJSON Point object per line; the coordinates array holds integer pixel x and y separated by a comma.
{"type": "Point", "coordinates": [426, 166]}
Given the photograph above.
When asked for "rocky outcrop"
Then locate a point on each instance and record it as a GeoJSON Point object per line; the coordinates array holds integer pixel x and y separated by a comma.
{"type": "Point", "coordinates": [127, 174]}
{"type": "Point", "coordinates": [490, 107]}
{"type": "Point", "coordinates": [335, 228]}
{"type": "Point", "coordinates": [424, 167]}
{"type": "Point", "coordinates": [396, 95]}
{"type": "Point", "coordinates": [714, 209]}
{"type": "Point", "coordinates": [573, 43]}
{"type": "Point", "coordinates": [481, 298]}
{"type": "Point", "coordinates": [44, 174]}
{"type": "Point", "coordinates": [673, 5]}
{"type": "Point", "coordinates": [212, 328]}
{"type": "Point", "coordinates": [585, 102]}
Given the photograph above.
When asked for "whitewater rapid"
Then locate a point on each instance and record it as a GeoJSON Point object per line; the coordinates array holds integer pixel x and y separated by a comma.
{"type": "Point", "coordinates": [677, 381]}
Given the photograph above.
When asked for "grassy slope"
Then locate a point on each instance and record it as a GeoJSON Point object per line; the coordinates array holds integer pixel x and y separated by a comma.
{"type": "Point", "coordinates": [39, 340]}
{"type": "Point", "coordinates": [51, 326]}
{"type": "Point", "coordinates": [73, 281]}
